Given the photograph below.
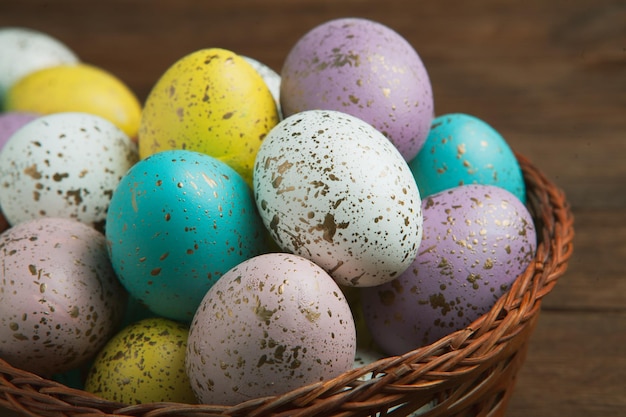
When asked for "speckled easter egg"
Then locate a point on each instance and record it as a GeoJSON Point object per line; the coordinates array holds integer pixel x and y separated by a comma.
{"type": "Point", "coordinates": [24, 50]}
{"type": "Point", "coordinates": [143, 363]}
{"type": "Point", "coordinates": [177, 221]}
{"type": "Point", "coordinates": [477, 240]}
{"type": "Point", "coordinates": [366, 69]}
{"type": "Point", "coordinates": [463, 149]}
{"type": "Point", "coordinates": [210, 101]}
{"type": "Point", "coordinates": [60, 300]}
{"type": "Point", "coordinates": [63, 165]}
{"type": "Point", "coordinates": [272, 324]}
{"type": "Point", "coordinates": [331, 188]}
{"type": "Point", "coordinates": [77, 88]}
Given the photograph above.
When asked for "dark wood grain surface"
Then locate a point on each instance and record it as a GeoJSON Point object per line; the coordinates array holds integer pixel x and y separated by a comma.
{"type": "Point", "coordinates": [549, 75]}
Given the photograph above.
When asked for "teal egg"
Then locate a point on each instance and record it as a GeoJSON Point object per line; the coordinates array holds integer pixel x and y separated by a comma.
{"type": "Point", "coordinates": [177, 221]}
{"type": "Point", "coordinates": [462, 149]}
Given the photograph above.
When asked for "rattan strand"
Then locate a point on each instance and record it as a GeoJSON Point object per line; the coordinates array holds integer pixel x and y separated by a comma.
{"type": "Point", "coordinates": [468, 373]}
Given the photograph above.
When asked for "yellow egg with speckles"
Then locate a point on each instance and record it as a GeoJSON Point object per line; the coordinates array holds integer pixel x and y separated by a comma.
{"type": "Point", "coordinates": [77, 88]}
{"type": "Point", "coordinates": [211, 101]}
{"type": "Point", "coordinates": [143, 363]}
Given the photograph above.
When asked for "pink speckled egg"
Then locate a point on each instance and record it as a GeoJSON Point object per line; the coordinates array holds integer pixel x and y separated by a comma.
{"type": "Point", "coordinates": [60, 300]}
{"type": "Point", "coordinates": [269, 325]}
{"type": "Point", "coordinates": [365, 69]}
{"type": "Point", "coordinates": [477, 240]}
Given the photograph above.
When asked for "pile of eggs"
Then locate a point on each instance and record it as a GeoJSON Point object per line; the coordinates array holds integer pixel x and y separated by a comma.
{"type": "Point", "coordinates": [243, 233]}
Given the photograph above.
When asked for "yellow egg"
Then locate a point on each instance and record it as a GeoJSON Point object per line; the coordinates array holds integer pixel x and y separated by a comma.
{"type": "Point", "coordinates": [211, 101]}
{"type": "Point", "coordinates": [143, 363]}
{"type": "Point", "coordinates": [77, 88]}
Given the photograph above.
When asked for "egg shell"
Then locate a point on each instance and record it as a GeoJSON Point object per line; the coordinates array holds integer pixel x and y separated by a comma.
{"type": "Point", "coordinates": [77, 88]}
{"type": "Point", "coordinates": [24, 50]}
{"type": "Point", "coordinates": [477, 240]}
{"type": "Point", "coordinates": [143, 363]}
{"type": "Point", "coordinates": [210, 101]}
{"type": "Point", "coordinates": [331, 188]}
{"type": "Point", "coordinates": [60, 300]}
{"type": "Point", "coordinates": [63, 165]}
{"type": "Point", "coordinates": [177, 222]}
{"type": "Point", "coordinates": [463, 149]}
{"type": "Point", "coordinates": [366, 69]}
{"type": "Point", "coordinates": [272, 324]}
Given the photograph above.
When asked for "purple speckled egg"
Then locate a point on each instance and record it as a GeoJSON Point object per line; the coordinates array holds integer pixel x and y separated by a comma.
{"type": "Point", "coordinates": [274, 323]}
{"type": "Point", "coordinates": [365, 69]}
{"type": "Point", "coordinates": [60, 300]}
{"type": "Point", "coordinates": [477, 239]}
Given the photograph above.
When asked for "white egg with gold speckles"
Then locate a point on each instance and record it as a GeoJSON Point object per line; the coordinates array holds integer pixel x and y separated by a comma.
{"type": "Point", "coordinates": [331, 188]}
{"type": "Point", "coordinates": [63, 165]}
{"type": "Point", "coordinates": [274, 323]}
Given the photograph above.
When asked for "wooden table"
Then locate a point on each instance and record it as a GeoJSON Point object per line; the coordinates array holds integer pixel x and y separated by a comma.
{"type": "Point", "coordinates": [549, 75]}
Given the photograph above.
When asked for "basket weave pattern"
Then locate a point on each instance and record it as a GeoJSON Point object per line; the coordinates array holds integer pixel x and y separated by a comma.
{"type": "Point", "coordinates": [470, 372]}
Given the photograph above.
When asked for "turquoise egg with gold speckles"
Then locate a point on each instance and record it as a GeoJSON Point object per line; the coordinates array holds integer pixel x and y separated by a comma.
{"type": "Point", "coordinates": [462, 149]}
{"type": "Point", "coordinates": [177, 221]}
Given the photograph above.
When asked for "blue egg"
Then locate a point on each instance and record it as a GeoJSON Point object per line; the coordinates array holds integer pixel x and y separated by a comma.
{"type": "Point", "coordinates": [462, 149]}
{"type": "Point", "coordinates": [177, 221]}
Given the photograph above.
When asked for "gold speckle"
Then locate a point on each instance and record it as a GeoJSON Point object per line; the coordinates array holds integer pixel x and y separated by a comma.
{"type": "Point", "coordinates": [74, 312]}
{"type": "Point", "coordinates": [488, 263]}
{"type": "Point", "coordinates": [310, 315]}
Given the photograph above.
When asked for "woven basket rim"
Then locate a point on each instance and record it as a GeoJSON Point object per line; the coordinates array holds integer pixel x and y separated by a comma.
{"type": "Point", "coordinates": [451, 372]}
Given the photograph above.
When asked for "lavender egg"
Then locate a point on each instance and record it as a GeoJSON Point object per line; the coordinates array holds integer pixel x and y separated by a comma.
{"type": "Point", "coordinates": [477, 240]}
{"type": "Point", "coordinates": [365, 69]}
{"type": "Point", "coordinates": [60, 300]}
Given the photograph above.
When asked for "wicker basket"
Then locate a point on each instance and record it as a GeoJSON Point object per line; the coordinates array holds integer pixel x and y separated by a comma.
{"type": "Point", "coordinates": [468, 373]}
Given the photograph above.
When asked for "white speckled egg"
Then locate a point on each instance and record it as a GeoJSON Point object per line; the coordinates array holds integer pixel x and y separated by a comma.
{"type": "Point", "coordinates": [477, 240]}
{"type": "Point", "coordinates": [269, 325]}
{"type": "Point", "coordinates": [331, 188]}
{"type": "Point", "coordinates": [60, 300]}
{"type": "Point", "coordinates": [24, 50]}
{"type": "Point", "coordinates": [63, 165]}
